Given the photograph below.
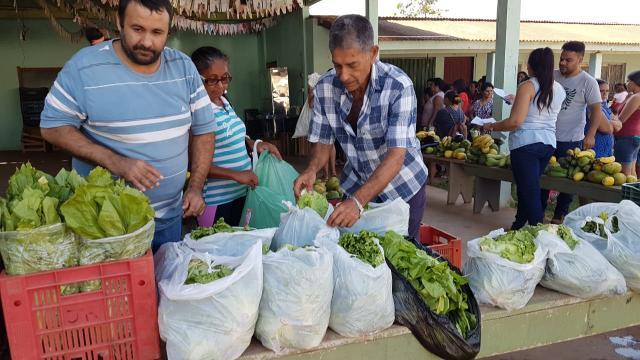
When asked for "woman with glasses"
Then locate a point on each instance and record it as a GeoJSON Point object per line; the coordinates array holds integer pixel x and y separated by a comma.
{"type": "Point", "coordinates": [230, 174]}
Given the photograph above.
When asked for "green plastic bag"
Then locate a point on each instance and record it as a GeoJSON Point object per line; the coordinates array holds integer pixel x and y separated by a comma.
{"type": "Point", "coordinates": [275, 179]}
{"type": "Point", "coordinates": [276, 175]}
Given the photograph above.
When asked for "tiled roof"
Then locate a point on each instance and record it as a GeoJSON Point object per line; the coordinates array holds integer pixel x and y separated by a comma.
{"type": "Point", "coordinates": [530, 31]}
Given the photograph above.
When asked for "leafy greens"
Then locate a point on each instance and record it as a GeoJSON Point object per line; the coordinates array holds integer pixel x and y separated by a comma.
{"type": "Point", "coordinates": [438, 286]}
{"type": "Point", "coordinates": [363, 246]}
{"type": "Point", "coordinates": [517, 246]}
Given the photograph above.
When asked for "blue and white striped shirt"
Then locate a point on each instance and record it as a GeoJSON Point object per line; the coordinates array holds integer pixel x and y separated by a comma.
{"type": "Point", "coordinates": [146, 117]}
{"type": "Point", "coordinates": [387, 120]}
{"type": "Point", "coordinates": [230, 153]}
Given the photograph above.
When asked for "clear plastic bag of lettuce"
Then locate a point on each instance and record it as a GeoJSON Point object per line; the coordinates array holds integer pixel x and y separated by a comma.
{"type": "Point", "coordinates": [112, 220]}
{"type": "Point", "coordinates": [32, 237]}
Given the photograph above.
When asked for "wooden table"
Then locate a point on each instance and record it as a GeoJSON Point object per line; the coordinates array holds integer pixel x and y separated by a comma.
{"type": "Point", "coordinates": [459, 182]}
{"type": "Point", "coordinates": [487, 186]}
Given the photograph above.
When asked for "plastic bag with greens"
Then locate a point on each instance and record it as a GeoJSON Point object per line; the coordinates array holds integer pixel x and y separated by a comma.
{"type": "Point", "coordinates": [44, 248]}
{"type": "Point", "coordinates": [621, 247]}
{"type": "Point", "coordinates": [362, 302]}
{"type": "Point", "coordinates": [205, 319]}
{"type": "Point", "coordinates": [296, 300]}
{"type": "Point", "coordinates": [504, 269]}
{"type": "Point", "coordinates": [582, 271]}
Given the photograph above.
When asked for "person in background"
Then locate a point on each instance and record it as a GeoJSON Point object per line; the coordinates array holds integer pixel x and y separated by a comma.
{"type": "Point", "coordinates": [437, 99]}
{"type": "Point", "coordinates": [627, 145]}
{"type": "Point", "coordinates": [522, 76]}
{"type": "Point", "coordinates": [369, 108]}
{"type": "Point", "coordinates": [139, 109]}
{"type": "Point", "coordinates": [94, 35]}
{"type": "Point", "coordinates": [427, 109]}
{"type": "Point", "coordinates": [483, 107]}
{"type": "Point", "coordinates": [461, 89]}
{"type": "Point", "coordinates": [604, 136]}
{"type": "Point", "coordinates": [230, 173]}
{"type": "Point", "coordinates": [532, 133]}
{"type": "Point", "coordinates": [619, 96]}
{"type": "Point", "coordinates": [450, 120]}
{"type": "Point", "coordinates": [582, 91]}
{"type": "Point", "coordinates": [474, 91]}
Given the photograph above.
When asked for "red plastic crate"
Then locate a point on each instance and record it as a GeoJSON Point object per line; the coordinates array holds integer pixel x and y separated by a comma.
{"type": "Point", "coordinates": [119, 321]}
{"type": "Point", "coordinates": [443, 243]}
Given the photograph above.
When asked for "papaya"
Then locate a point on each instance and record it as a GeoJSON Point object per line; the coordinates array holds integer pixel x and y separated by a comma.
{"type": "Point", "coordinates": [459, 150]}
{"type": "Point", "coordinates": [448, 154]}
{"type": "Point", "coordinates": [582, 161]}
{"type": "Point", "coordinates": [553, 160]}
{"type": "Point", "coordinates": [578, 176]}
{"type": "Point", "coordinates": [632, 179]}
{"type": "Point", "coordinates": [485, 150]}
{"type": "Point", "coordinates": [612, 168]}
{"type": "Point", "coordinates": [502, 162]}
{"type": "Point", "coordinates": [596, 177]}
{"type": "Point", "coordinates": [608, 181]}
{"type": "Point", "coordinates": [493, 151]}
{"type": "Point", "coordinates": [619, 178]}
{"type": "Point", "coordinates": [558, 172]}
{"type": "Point", "coordinates": [460, 155]}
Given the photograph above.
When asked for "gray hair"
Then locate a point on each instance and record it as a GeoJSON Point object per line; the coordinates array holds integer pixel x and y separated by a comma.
{"type": "Point", "coordinates": [351, 32]}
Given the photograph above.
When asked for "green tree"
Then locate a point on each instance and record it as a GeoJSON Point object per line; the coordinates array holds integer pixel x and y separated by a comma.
{"type": "Point", "coordinates": [415, 8]}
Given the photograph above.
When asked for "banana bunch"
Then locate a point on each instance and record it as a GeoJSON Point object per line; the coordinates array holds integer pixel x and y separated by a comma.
{"type": "Point", "coordinates": [483, 143]}
{"type": "Point", "coordinates": [422, 135]}
{"type": "Point", "coordinates": [455, 148]}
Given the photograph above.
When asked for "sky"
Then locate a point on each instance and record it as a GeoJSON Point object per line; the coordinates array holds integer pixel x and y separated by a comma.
{"type": "Point", "coordinates": [618, 11]}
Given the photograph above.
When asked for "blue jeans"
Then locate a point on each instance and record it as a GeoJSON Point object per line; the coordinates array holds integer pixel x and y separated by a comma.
{"type": "Point", "coordinates": [527, 164]}
{"type": "Point", "coordinates": [167, 230]}
{"type": "Point", "coordinates": [627, 149]}
{"type": "Point", "coordinates": [564, 200]}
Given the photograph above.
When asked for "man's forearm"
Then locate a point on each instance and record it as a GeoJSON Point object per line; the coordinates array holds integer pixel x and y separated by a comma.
{"type": "Point", "coordinates": [201, 155]}
{"type": "Point", "coordinates": [382, 176]}
{"type": "Point", "coordinates": [319, 156]}
{"type": "Point", "coordinates": [76, 143]}
{"type": "Point", "coordinates": [594, 121]}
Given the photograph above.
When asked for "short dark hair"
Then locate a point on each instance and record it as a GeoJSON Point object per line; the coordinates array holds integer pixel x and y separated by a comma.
{"type": "Point", "coordinates": [153, 5]}
{"type": "Point", "coordinates": [486, 85]}
{"type": "Point", "coordinates": [204, 56]}
{"type": "Point", "coordinates": [351, 31]}
{"type": "Point", "coordinates": [575, 46]}
{"type": "Point", "coordinates": [92, 34]}
{"type": "Point", "coordinates": [453, 97]}
{"type": "Point", "coordinates": [635, 77]}
{"type": "Point", "coordinates": [439, 83]}
{"type": "Point", "coordinates": [601, 82]}
{"type": "Point", "coordinates": [460, 85]}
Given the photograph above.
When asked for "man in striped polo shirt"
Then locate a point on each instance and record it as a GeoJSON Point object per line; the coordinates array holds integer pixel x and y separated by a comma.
{"type": "Point", "coordinates": [130, 105]}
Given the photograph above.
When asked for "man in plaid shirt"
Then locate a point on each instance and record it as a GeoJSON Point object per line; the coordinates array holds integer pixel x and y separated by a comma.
{"type": "Point", "coordinates": [369, 107]}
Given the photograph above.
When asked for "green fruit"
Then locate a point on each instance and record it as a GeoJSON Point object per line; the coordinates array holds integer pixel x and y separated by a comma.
{"type": "Point", "coordinates": [619, 178]}
{"type": "Point", "coordinates": [333, 184]}
{"type": "Point", "coordinates": [430, 150]}
{"type": "Point", "coordinates": [584, 161]}
{"type": "Point", "coordinates": [333, 195]}
{"type": "Point", "coordinates": [596, 177]}
{"type": "Point", "coordinates": [558, 172]}
{"type": "Point", "coordinates": [613, 168]}
{"type": "Point", "coordinates": [320, 188]}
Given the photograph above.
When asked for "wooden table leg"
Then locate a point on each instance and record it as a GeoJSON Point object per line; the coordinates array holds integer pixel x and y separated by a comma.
{"type": "Point", "coordinates": [459, 183]}
{"type": "Point", "coordinates": [486, 190]}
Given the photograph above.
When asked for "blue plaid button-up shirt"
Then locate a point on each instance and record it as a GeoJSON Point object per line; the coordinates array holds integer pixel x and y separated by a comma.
{"type": "Point", "coordinates": [387, 120]}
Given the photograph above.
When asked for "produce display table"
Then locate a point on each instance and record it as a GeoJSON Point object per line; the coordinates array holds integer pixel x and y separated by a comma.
{"type": "Point", "coordinates": [487, 186]}
{"type": "Point", "coordinates": [550, 317]}
{"type": "Point", "coordinates": [459, 182]}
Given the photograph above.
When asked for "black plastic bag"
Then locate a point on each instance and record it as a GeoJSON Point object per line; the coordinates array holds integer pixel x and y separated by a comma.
{"type": "Point", "coordinates": [435, 332]}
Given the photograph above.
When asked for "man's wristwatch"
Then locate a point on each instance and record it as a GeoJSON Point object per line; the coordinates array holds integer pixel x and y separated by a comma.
{"type": "Point", "coordinates": [360, 207]}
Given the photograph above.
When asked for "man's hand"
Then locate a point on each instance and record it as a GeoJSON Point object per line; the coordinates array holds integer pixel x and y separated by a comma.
{"type": "Point", "coordinates": [137, 172]}
{"type": "Point", "coordinates": [262, 146]}
{"type": "Point", "coordinates": [304, 181]}
{"type": "Point", "coordinates": [589, 141]}
{"type": "Point", "coordinates": [247, 177]}
{"type": "Point", "coordinates": [192, 203]}
{"type": "Point", "coordinates": [345, 215]}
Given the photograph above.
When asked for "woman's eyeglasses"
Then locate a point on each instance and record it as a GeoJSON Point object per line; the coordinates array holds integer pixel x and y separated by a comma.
{"type": "Point", "coordinates": [213, 81]}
